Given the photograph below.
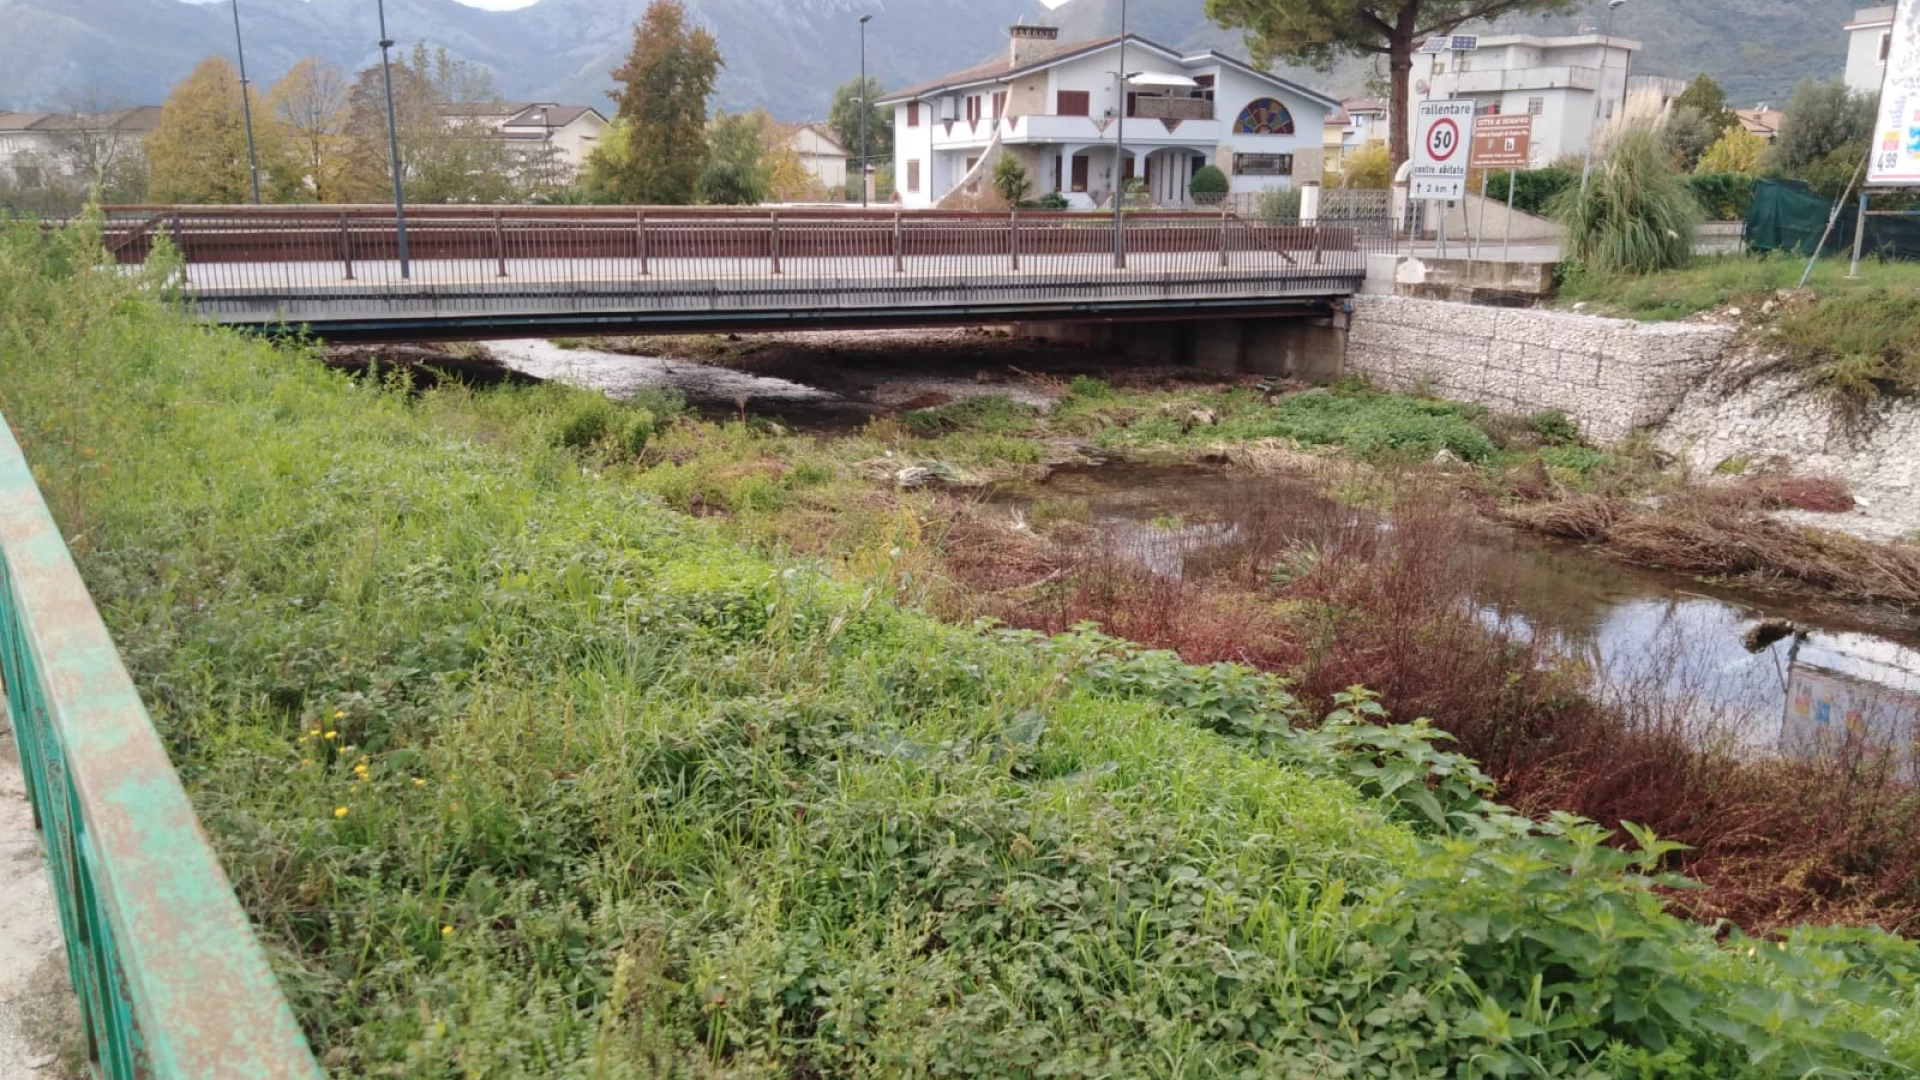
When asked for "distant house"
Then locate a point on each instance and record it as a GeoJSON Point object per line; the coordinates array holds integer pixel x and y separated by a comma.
{"type": "Point", "coordinates": [1762, 121]}
{"type": "Point", "coordinates": [550, 136]}
{"type": "Point", "coordinates": [38, 149]}
{"type": "Point", "coordinates": [1571, 86]}
{"type": "Point", "coordinates": [1056, 108]}
{"type": "Point", "coordinates": [1355, 124]}
{"type": "Point", "coordinates": [1869, 37]}
{"type": "Point", "coordinates": [821, 154]}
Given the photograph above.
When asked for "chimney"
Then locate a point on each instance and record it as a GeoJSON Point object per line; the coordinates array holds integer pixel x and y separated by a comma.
{"type": "Point", "coordinates": [1032, 43]}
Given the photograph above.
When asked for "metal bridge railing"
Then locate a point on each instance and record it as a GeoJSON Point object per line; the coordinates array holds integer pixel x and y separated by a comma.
{"type": "Point", "coordinates": [171, 981]}
{"type": "Point", "coordinates": [677, 258]}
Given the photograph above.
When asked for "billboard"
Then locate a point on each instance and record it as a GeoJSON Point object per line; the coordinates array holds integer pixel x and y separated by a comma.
{"type": "Point", "coordinates": [1895, 161]}
{"type": "Point", "coordinates": [1827, 709]}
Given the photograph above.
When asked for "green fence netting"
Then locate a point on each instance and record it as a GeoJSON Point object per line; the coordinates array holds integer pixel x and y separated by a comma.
{"type": "Point", "coordinates": [1785, 216]}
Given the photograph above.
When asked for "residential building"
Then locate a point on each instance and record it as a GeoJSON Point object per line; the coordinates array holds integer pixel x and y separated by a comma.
{"type": "Point", "coordinates": [1356, 123]}
{"type": "Point", "coordinates": [1869, 38]}
{"type": "Point", "coordinates": [550, 137]}
{"type": "Point", "coordinates": [1571, 86]}
{"type": "Point", "coordinates": [1056, 108]}
{"type": "Point", "coordinates": [821, 154]}
{"type": "Point", "coordinates": [38, 149]}
{"type": "Point", "coordinates": [1762, 121]}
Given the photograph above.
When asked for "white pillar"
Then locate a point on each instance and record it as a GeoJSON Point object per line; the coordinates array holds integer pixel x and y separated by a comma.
{"type": "Point", "coordinates": [1309, 202]}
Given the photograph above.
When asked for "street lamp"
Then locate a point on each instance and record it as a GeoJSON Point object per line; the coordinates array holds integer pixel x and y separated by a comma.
{"type": "Point", "coordinates": [246, 105]}
{"type": "Point", "coordinates": [1120, 154]}
{"type": "Point", "coordinates": [864, 20]}
{"type": "Point", "coordinates": [393, 143]}
{"type": "Point", "coordinates": [1593, 135]}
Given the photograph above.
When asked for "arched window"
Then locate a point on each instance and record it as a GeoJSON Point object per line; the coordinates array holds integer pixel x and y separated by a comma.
{"type": "Point", "coordinates": [1264, 116]}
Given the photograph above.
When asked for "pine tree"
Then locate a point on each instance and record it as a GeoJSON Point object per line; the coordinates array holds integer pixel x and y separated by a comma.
{"type": "Point", "coordinates": [661, 106]}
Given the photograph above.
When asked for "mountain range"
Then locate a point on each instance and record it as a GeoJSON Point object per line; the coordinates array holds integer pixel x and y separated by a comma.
{"type": "Point", "coordinates": [783, 55]}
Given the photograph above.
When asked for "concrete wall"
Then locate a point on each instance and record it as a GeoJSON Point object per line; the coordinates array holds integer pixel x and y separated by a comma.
{"type": "Point", "coordinates": [1611, 376]}
{"type": "Point", "coordinates": [1526, 228]}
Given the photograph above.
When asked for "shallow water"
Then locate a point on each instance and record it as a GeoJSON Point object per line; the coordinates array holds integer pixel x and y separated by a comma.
{"type": "Point", "coordinates": [1641, 632]}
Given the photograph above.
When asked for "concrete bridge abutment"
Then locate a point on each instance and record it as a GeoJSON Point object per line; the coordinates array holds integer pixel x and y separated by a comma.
{"type": "Point", "coordinates": [1308, 348]}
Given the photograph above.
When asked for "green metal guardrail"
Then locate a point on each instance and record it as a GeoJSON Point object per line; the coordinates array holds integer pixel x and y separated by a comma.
{"type": "Point", "coordinates": [172, 983]}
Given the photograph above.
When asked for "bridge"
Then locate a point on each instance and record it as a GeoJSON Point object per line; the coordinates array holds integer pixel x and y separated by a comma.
{"type": "Point", "coordinates": [475, 272]}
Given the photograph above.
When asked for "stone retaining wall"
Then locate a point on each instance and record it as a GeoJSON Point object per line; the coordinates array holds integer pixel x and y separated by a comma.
{"type": "Point", "coordinates": [1612, 376]}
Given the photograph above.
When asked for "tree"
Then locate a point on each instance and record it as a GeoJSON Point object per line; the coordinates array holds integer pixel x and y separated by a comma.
{"type": "Point", "coordinates": [788, 179]}
{"type": "Point", "coordinates": [450, 152]}
{"type": "Point", "coordinates": [1704, 96]}
{"type": "Point", "coordinates": [1010, 179]}
{"type": "Point", "coordinates": [310, 104]}
{"type": "Point", "coordinates": [1317, 31]}
{"type": "Point", "coordinates": [198, 153]}
{"type": "Point", "coordinates": [1686, 136]}
{"type": "Point", "coordinates": [1368, 167]}
{"type": "Point", "coordinates": [1737, 151]}
{"type": "Point", "coordinates": [735, 173]}
{"type": "Point", "coordinates": [90, 148]}
{"type": "Point", "coordinates": [1824, 119]}
{"type": "Point", "coordinates": [844, 118]}
{"type": "Point", "coordinates": [662, 105]}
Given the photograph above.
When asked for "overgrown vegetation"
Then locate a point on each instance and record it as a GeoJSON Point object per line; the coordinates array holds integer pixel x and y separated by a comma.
{"type": "Point", "coordinates": [519, 773]}
{"type": "Point", "coordinates": [1635, 215]}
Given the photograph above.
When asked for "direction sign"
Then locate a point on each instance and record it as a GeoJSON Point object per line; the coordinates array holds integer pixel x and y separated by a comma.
{"type": "Point", "coordinates": [1502, 142]}
{"type": "Point", "coordinates": [1442, 132]}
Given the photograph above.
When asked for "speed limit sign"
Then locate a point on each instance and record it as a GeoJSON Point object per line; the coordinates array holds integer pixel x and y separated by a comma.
{"type": "Point", "coordinates": [1443, 130]}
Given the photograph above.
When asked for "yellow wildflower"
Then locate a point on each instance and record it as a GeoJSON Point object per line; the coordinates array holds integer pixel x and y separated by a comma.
{"type": "Point", "coordinates": [339, 811]}
{"type": "Point", "coordinates": [446, 931]}
{"type": "Point", "coordinates": [333, 734]}
{"type": "Point", "coordinates": [417, 782]}
{"type": "Point", "coordinates": [339, 714]}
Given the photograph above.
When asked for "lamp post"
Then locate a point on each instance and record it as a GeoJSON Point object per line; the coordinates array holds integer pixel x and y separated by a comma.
{"type": "Point", "coordinates": [393, 144]}
{"type": "Point", "coordinates": [246, 104]}
{"type": "Point", "coordinates": [864, 20]}
{"type": "Point", "coordinates": [1593, 135]}
{"type": "Point", "coordinates": [1120, 154]}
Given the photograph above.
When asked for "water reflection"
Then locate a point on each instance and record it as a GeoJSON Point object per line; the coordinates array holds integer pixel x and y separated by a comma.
{"type": "Point", "coordinates": [1644, 636]}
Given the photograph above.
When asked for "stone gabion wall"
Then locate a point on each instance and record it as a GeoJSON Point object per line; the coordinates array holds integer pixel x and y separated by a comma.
{"type": "Point", "coordinates": [1611, 376]}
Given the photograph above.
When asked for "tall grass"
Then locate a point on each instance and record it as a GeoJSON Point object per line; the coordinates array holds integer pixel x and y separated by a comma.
{"type": "Point", "coordinates": [1635, 216]}
{"type": "Point", "coordinates": [520, 774]}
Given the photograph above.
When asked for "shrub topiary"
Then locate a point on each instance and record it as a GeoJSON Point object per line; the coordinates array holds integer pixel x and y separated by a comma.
{"type": "Point", "coordinates": [1208, 183]}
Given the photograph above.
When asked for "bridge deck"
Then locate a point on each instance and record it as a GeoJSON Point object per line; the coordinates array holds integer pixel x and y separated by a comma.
{"type": "Point", "coordinates": [473, 272]}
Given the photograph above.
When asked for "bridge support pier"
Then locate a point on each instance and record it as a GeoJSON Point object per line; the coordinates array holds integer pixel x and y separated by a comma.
{"type": "Point", "coordinates": [1308, 348]}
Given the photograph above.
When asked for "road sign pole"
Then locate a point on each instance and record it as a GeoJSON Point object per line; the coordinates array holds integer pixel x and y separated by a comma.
{"type": "Point", "coordinates": [1506, 245]}
{"type": "Point", "coordinates": [1441, 247]}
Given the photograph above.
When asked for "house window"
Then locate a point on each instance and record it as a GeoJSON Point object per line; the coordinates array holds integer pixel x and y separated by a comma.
{"type": "Point", "coordinates": [999, 104]}
{"type": "Point", "coordinates": [1264, 116]}
{"type": "Point", "coordinates": [1263, 164]}
{"type": "Point", "coordinates": [1886, 44]}
{"type": "Point", "coordinates": [1609, 110]}
{"type": "Point", "coordinates": [913, 175]}
{"type": "Point", "coordinates": [1491, 108]}
{"type": "Point", "coordinates": [1080, 168]}
{"type": "Point", "coordinates": [913, 114]}
{"type": "Point", "coordinates": [973, 108]}
{"type": "Point", "coordinates": [1536, 106]}
{"type": "Point", "coordinates": [1075, 103]}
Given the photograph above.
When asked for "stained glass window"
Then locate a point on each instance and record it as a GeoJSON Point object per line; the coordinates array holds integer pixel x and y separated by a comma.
{"type": "Point", "coordinates": [1264, 116]}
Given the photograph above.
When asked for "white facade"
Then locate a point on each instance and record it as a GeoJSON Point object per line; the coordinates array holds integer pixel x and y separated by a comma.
{"type": "Point", "coordinates": [821, 154]}
{"type": "Point", "coordinates": [1056, 108]}
{"type": "Point", "coordinates": [1559, 80]}
{"type": "Point", "coordinates": [55, 148]}
{"type": "Point", "coordinates": [1869, 36]}
{"type": "Point", "coordinates": [550, 139]}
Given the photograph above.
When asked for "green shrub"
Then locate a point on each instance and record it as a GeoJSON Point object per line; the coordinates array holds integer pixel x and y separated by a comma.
{"type": "Point", "coordinates": [640, 430]}
{"type": "Point", "coordinates": [1010, 179]}
{"type": "Point", "coordinates": [1281, 206]}
{"type": "Point", "coordinates": [1089, 388]}
{"type": "Point", "coordinates": [1052, 201]}
{"type": "Point", "coordinates": [589, 422]}
{"type": "Point", "coordinates": [1636, 215]}
{"type": "Point", "coordinates": [1208, 181]}
{"type": "Point", "coordinates": [987, 414]}
{"type": "Point", "coordinates": [1533, 189]}
{"type": "Point", "coordinates": [1554, 427]}
{"type": "Point", "coordinates": [1722, 196]}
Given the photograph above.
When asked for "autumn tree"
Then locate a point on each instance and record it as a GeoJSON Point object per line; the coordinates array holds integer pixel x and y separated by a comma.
{"type": "Point", "coordinates": [1318, 31]}
{"type": "Point", "coordinates": [844, 118]}
{"type": "Point", "coordinates": [310, 105]}
{"type": "Point", "coordinates": [198, 153]}
{"type": "Point", "coordinates": [1704, 95]}
{"type": "Point", "coordinates": [661, 109]}
{"type": "Point", "coordinates": [445, 114]}
{"type": "Point", "coordinates": [1738, 151]}
{"type": "Point", "coordinates": [788, 178]}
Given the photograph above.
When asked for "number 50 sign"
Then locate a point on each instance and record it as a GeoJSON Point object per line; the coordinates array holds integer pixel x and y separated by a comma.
{"type": "Point", "coordinates": [1443, 131]}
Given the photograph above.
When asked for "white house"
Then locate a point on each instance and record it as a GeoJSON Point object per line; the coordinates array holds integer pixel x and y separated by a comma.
{"type": "Point", "coordinates": [1055, 107]}
{"type": "Point", "coordinates": [1869, 37]}
{"type": "Point", "coordinates": [52, 148]}
{"type": "Point", "coordinates": [1357, 123]}
{"type": "Point", "coordinates": [1555, 79]}
{"type": "Point", "coordinates": [548, 135]}
{"type": "Point", "coordinates": [821, 154]}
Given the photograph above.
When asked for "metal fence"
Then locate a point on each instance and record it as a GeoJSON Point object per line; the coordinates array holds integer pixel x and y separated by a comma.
{"type": "Point", "coordinates": [171, 981]}
{"type": "Point", "coordinates": [311, 260]}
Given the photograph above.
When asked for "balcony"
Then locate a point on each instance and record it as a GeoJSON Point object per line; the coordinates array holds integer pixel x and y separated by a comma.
{"type": "Point", "coordinates": [1170, 108]}
{"type": "Point", "coordinates": [1142, 129]}
{"type": "Point", "coordinates": [1516, 79]}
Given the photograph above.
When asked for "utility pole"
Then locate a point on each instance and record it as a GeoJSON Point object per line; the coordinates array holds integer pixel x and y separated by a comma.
{"type": "Point", "coordinates": [246, 104]}
{"type": "Point", "coordinates": [393, 144]}
{"type": "Point", "coordinates": [1120, 154]}
{"type": "Point", "coordinates": [864, 165]}
{"type": "Point", "coordinates": [1593, 135]}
